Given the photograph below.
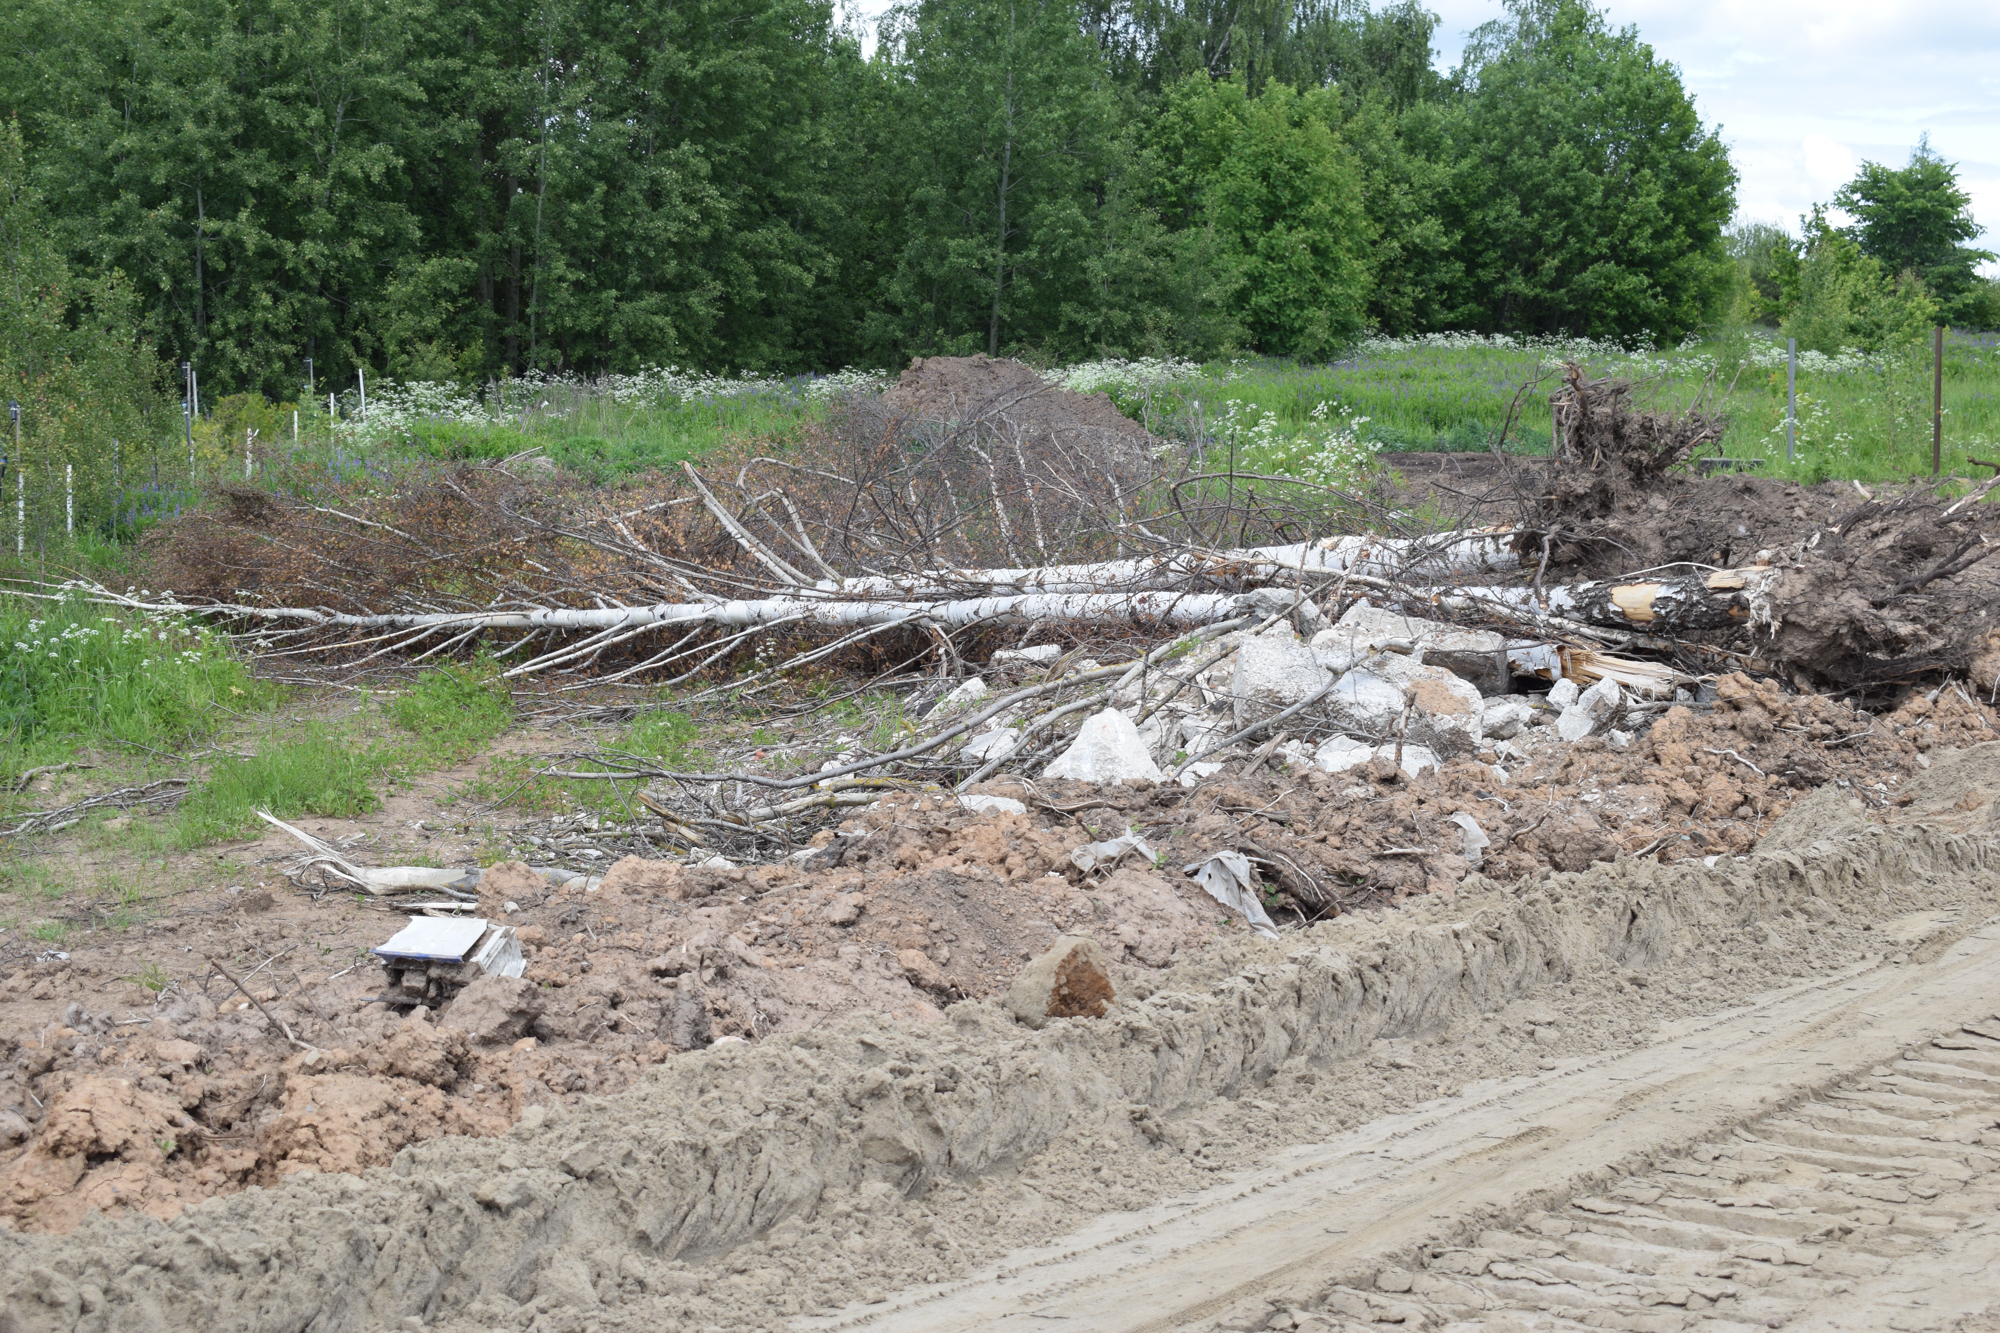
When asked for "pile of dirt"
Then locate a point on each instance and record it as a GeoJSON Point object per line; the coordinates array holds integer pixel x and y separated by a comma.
{"type": "Point", "coordinates": [963, 389]}
{"type": "Point", "coordinates": [117, 1099]}
{"type": "Point", "coordinates": [154, 1102]}
{"type": "Point", "coordinates": [743, 1185]}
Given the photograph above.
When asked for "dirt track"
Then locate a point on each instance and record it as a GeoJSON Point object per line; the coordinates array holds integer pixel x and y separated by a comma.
{"type": "Point", "coordinates": [809, 1175]}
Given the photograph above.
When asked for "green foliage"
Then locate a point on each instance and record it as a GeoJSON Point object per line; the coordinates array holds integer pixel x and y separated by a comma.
{"type": "Point", "coordinates": [1767, 273]}
{"type": "Point", "coordinates": [1271, 178]}
{"type": "Point", "coordinates": [452, 710]}
{"type": "Point", "coordinates": [1003, 124]}
{"type": "Point", "coordinates": [70, 355]}
{"type": "Point", "coordinates": [72, 675]}
{"type": "Point", "coordinates": [1916, 221]}
{"type": "Point", "coordinates": [320, 772]}
{"type": "Point", "coordinates": [1587, 196]}
{"type": "Point", "coordinates": [1845, 298]}
{"type": "Point", "coordinates": [666, 736]}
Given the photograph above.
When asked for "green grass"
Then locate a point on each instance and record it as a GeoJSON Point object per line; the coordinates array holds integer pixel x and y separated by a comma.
{"type": "Point", "coordinates": [449, 712]}
{"type": "Point", "coordinates": [1863, 417]}
{"type": "Point", "coordinates": [446, 715]}
{"type": "Point", "coordinates": [73, 675]}
{"type": "Point", "coordinates": [321, 772]}
{"type": "Point", "coordinates": [658, 737]}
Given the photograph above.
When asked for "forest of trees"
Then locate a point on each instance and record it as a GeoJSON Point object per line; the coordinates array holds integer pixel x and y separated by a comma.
{"type": "Point", "coordinates": [464, 188]}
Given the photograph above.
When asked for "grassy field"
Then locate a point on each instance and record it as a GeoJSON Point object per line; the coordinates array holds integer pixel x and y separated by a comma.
{"type": "Point", "coordinates": [1867, 418]}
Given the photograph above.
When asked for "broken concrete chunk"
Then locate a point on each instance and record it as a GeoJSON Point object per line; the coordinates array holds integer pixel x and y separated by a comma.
{"type": "Point", "coordinates": [1363, 701]}
{"type": "Point", "coordinates": [968, 693]}
{"type": "Point", "coordinates": [1107, 749]}
{"type": "Point", "coordinates": [1564, 693]}
{"type": "Point", "coordinates": [1273, 672]}
{"type": "Point", "coordinates": [1341, 753]}
{"type": "Point", "coordinates": [1415, 758]}
{"type": "Point", "coordinates": [1069, 980]}
{"type": "Point", "coordinates": [1478, 656]}
{"type": "Point", "coordinates": [979, 803]}
{"type": "Point", "coordinates": [1504, 717]}
{"type": "Point", "coordinates": [1593, 710]}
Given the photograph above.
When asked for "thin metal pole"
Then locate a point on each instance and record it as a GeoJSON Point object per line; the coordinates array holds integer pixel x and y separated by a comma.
{"type": "Point", "coordinates": [187, 409]}
{"type": "Point", "coordinates": [309, 377]}
{"type": "Point", "coordinates": [361, 379]}
{"type": "Point", "coordinates": [20, 489]}
{"type": "Point", "coordinates": [1791, 394]}
{"type": "Point", "coordinates": [69, 500]}
{"type": "Point", "coordinates": [14, 411]}
{"type": "Point", "coordinates": [1937, 400]}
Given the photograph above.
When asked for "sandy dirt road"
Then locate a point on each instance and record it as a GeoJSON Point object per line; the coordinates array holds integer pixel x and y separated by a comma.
{"type": "Point", "coordinates": [1821, 1158]}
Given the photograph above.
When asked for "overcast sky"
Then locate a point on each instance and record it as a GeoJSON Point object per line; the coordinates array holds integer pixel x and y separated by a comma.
{"type": "Point", "coordinates": [1804, 92]}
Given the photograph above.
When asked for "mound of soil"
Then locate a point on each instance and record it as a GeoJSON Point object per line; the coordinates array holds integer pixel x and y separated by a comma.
{"type": "Point", "coordinates": [961, 389]}
{"type": "Point", "coordinates": [741, 1186]}
{"type": "Point", "coordinates": [119, 1100]}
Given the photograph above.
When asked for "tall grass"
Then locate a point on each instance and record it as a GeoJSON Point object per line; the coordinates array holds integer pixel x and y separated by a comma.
{"type": "Point", "coordinates": [73, 675]}
{"type": "Point", "coordinates": [1866, 417]}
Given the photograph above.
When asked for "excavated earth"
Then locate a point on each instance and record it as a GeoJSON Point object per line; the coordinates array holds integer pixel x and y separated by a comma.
{"type": "Point", "coordinates": [115, 1099]}
{"type": "Point", "coordinates": [1748, 1091]}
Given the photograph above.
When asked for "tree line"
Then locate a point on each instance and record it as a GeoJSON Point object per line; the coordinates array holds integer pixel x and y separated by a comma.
{"type": "Point", "coordinates": [463, 189]}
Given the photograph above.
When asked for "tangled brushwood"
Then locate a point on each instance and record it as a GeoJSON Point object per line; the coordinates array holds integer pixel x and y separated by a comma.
{"type": "Point", "coordinates": [919, 541]}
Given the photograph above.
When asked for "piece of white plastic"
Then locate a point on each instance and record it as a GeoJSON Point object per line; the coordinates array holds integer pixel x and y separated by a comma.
{"type": "Point", "coordinates": [1110, 851]}
{"type": "Point", "coordinates": [1228, 878]}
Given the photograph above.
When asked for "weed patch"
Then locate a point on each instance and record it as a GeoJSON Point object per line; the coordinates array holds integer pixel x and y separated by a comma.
{"type": "Point", "coordinates": [320, 773]}
{"type": "Point", "coordinates": [452, 710]}
{"type": "Point", "coordinates": [72, 675]}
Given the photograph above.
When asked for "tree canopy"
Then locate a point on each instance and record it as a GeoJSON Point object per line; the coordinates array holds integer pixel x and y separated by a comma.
{"type": "Point", "coordinates": [468, 190]}
{"type": "Point", "coordinates": [1916, 220]}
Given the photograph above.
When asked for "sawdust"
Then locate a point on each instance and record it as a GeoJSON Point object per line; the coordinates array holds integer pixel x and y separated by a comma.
{"type": "Point", "coordinates": [742, 1185]}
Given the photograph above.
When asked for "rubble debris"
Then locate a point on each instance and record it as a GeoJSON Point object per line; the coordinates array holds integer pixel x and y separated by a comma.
{"type": "Point", "coordinates": [1228, 878]}
{"type": "Point", "coordinates": [1593, 710]}
{"type": "Point", "coordinates": [1104, 855]}
{"type": "Point", "coordinates": [433, 958]}
{"type": "Point", "coordinates": [1107, 749]}
{"type": "Point", "coordinates": [1068, 980]}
